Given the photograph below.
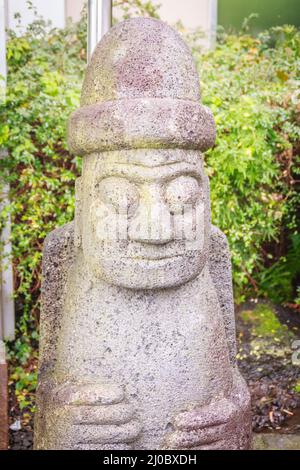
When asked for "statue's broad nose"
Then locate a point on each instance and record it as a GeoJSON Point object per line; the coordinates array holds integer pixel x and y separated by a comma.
{"type": "Point", "coordinates": [152, 222]}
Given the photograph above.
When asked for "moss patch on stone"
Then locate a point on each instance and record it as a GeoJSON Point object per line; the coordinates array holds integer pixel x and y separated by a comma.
{"type": "Point", "coordinates": [297, 387]}
{"type": "Point", "coordinates": [264, 322]}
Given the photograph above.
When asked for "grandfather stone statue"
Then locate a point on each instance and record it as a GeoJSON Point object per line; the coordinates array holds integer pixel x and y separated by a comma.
{"type": "Point", "coordinates": [137, 324]}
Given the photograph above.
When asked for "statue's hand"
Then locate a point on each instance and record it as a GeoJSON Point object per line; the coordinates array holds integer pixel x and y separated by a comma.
{"type": "Point", "coordinates": [93, 416]}
{"type": "Point", "coordinates": [221, 425]}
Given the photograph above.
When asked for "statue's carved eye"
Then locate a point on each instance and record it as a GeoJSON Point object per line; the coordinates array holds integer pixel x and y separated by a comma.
{"type": "Point", "coordinates": [182, 192]}
{"type": "Point", "coordinates": [119, 193]}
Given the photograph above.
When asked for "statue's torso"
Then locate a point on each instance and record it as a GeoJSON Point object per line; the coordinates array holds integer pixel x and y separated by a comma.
{"type": "Point", "coordinates": [167, 348]}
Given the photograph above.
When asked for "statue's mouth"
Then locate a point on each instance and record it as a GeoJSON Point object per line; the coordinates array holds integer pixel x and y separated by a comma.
{"type": "Point", "coordinates": [153, 262]}
{"type": "Point", "coordinates": [153, 257]}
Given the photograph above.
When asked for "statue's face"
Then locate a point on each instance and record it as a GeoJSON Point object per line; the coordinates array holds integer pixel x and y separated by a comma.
{"type": "Point", "coordinates": [145, 217]}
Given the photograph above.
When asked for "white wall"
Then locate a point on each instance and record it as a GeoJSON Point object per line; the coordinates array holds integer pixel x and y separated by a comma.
{"type": "Point", "coordinates": [73, 9]}
{"type": "Point", "coordinates": [2, 45]}
{"type": "Point", "coordinates": [192, 13]}
{"type": "Point", "coordinates": [53, 10]}
{"type": "Point", "coordinates": [7, 312]}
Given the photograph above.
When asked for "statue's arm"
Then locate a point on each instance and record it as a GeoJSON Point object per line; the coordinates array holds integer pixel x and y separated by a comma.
{"type": "Point", "coordinates": [58, 256]}
{"type": "Point", "coordinates": [220, 270]}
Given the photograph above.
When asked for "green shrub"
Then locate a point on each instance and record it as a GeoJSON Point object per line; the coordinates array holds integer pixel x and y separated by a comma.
{"type": "Point", "coordinates": [252, 87]}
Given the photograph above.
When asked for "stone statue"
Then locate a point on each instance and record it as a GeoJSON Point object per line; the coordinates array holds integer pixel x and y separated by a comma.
{"type": "Point", "coordinates": [137, 323]}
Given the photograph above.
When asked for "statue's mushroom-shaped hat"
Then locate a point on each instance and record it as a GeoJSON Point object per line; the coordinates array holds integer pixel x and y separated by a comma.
{"type": "Point", "coordinates": [141, 90]}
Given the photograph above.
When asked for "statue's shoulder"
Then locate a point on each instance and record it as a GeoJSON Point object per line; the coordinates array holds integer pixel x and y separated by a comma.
{"type": "Point", "coordinates": [58, 256]}
{"type": "Point", "coordinates": [219, 260]}
{"type": "Point", "coordinates": [58, 247]}
{"type": "Point", "coordinates": [220, 271]}
{"type": "Point", "coordinates": [218, 243]}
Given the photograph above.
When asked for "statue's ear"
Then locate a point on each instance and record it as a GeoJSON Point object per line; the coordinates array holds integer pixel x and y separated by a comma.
{"type": "Point", "coordinates": [78, 212]}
